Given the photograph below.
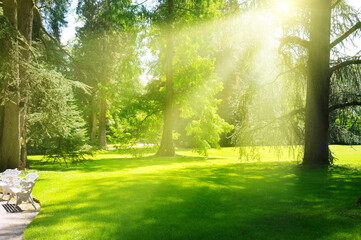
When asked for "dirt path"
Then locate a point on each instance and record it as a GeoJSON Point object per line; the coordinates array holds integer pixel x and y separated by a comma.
{"type": "Point", "coordinates": [13, 224]}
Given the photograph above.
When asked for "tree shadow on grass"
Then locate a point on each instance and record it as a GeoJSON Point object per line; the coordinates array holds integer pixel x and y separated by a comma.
{"type": "Point", "coordinates": [115, 164]}
{"type": "Point", "coordinates": [233, 201]}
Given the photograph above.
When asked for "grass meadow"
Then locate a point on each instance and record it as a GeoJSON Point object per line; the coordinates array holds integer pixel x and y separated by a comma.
{"type": "Point", "coordinates": [116, 196]}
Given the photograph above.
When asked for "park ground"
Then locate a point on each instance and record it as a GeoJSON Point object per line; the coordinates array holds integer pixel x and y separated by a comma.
{"type": "Point", "coordinates": [116, 196]}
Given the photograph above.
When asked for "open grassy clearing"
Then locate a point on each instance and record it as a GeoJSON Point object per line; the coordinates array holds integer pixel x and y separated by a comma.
{"type": "Point", "coordinates": [191, 197]}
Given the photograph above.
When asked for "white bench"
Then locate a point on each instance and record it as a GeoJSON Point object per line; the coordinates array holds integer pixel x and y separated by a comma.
{"type": "Point", "coordinates": [9, 178]}
{"type": "Point", "coordinates": [23, 191]}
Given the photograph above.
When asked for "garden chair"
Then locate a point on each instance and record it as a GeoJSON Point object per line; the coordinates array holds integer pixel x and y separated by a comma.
{"type": "Point", "coordinates": [23, 191]}
{"type": "Point", "coordinates": [9, 178]}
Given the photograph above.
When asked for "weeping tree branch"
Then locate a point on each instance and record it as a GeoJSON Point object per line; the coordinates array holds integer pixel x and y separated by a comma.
{"type": "Point", "coordinates": [272, 121]}
{"type": "Point", "coordinates": [344, 64]}
{"type": "Point", "coordinates": [345, 35]}
{"type": "Point", "coordinates": [302, 110]}
{"type": "Point", "coordinates": [278, 76]}
{"type": "Point", "coordinates": [293, 39]}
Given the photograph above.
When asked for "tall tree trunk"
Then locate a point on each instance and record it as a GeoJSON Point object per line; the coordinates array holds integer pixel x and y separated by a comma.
{"type": "Point", "coordinates": [10, 129]}
{"type": "Point", "coordinates": [102, 120]}
{"type": "Point", "coordinates": [25, 27]}
{"type": "Point", "coordinates": [166, 147]}
{"type": "Point", "coordinates": [93, 122]}
{"type": "Point", "coordinates": [318, 85]}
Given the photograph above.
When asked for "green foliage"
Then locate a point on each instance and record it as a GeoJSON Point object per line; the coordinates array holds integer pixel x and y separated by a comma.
{"type": "Point", "coordinates": [55, 127]}
{"type": "Point", "coordinates": [137, 119]}
{"type": "Point", "coordinates": [205, 131]}
{"type": "Point", "coordinates": [106, 57]}
{"type": "Point", "coordinates": [8, 58]}
{"type": "Point", "coordinates": [345, 123]}
{"type": "Point", "coordinates": [195, 84]}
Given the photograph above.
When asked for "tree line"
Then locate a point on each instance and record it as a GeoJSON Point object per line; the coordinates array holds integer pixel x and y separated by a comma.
{"type": "Point", "coordinates": [219, 72]}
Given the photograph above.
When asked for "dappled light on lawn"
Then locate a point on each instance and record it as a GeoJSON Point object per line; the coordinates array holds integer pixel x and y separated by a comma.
{"type": "Point", "coordinates": [190, 197]}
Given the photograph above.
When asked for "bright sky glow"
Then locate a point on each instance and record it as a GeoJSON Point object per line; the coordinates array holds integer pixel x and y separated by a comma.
{"type": "Point", "coordinates": [68, 33]}
{"type": "Point", "coordinates": [283, 7]}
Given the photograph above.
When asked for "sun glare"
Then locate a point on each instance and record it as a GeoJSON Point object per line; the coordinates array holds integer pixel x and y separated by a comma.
{"type": "Point", "coordinates": [282, 8]}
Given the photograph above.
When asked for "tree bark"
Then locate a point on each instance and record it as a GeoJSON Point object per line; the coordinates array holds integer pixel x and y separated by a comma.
{"type": "Point", "coordinates": [318, 85]}
{"type": "Point", "coordinates": [93, 124]}
{"type": "Point", "coordinates": [102, 120]}
{"type": "Point", "coordinates": [10, 131]}
{"type": "Point", "coordinates": [166, 147]}
{"type": "Point", "coordinates": [25, 27]}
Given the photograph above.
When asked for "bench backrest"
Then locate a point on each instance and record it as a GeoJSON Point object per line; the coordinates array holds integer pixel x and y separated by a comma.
{"type": "Point", "coordinates": [31, 177]}
{"type": "Point", "coordinates": [11, 172]}
{"type": "Point", "coordinates": [27, 186]}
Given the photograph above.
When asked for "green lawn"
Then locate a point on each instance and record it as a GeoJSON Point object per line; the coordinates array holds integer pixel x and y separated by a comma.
{"type": "Point", "coordinates": [191, 197]}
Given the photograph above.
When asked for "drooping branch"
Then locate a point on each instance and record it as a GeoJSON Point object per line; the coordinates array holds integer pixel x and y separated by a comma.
{"type": "Point", "coordinates": [343, 105]}
{"type": "Point", "coordinates": [295, 40]}
{"type": "Point", "coordinates": [278, 77]}
{"type": "Point", "coordinates": [345, 35]}
{"type": "Point", "coordinates": [344, 64]}
{"type": "Point", "coordinates": [272, 121]}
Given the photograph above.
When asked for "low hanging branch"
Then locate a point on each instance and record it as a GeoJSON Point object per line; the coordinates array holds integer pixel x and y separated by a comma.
{"type": "Point", "coordinates": [344, 64]}
{"type": "Point", "coordinates": [345, 35]}
{"type": "Point", "coordinates": [302, 111]}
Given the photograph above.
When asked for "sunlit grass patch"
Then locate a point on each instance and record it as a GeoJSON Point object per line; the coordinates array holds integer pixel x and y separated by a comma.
{"type": "Point", "coordinates": [192, 197]}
